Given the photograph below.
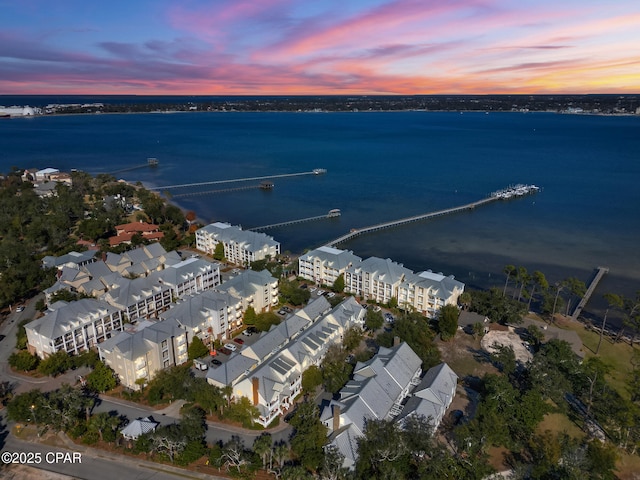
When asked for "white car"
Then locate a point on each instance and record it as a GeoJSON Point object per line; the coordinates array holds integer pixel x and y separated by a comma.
{"type": "Point", "coordinates": [331, 295]}
{"type": "Point", "coordinates": [20, 309]}
{"type": "Point", "coordinates": [231, 346]}
{"type": "Point", "coordinates": [312, 289]}
{"type": "Point", "coordinates": [320, 292]}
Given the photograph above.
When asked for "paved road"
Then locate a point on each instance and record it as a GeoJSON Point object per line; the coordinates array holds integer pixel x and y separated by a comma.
{"type": "Point", "coordinates": [92, 464]}
{"type": "Point", "coordinates": [22, 383]}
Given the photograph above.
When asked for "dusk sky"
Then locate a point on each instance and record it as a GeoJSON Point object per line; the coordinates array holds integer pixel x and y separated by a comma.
{"type": "Point", "coordinates": [274, 47]}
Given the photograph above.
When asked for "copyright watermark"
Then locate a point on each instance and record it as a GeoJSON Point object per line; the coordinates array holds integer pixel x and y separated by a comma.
{"type": "Point", "coordinates": [37, 458]}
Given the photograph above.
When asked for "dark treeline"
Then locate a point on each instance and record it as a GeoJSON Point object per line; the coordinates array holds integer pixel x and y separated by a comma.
{"type": "Point", "coordinates": [607, 104]}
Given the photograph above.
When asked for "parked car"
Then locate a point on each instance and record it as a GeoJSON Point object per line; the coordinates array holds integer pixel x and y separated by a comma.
{"type": "Point", "coordinates": [247, 332]}
{"type": "Point", "coordinates": [225, 350]}
{"type": "Point", "coordinates": [252, 330]}
{"type": "Point", "coordinates": [320, 292]}
{"type": "Point", "coordinates": [230, 346]}
{"type": "Point", "coordinates": [312, 289]}
{"type": "Point", "coordinates": [20, 309]}
{"type": "Point", "coordinates": [200, 365]}
{"type": "Point", "coordinates": [331, 295]}
{"type": "Point", "coordinates": [304, 285]}
{"type": "Point", "coordinates": [286, 309]}
{"type": "Point", "coordinates": [239, 341]}
{"type": "Point", "coordinates": [216, 362]}
{"type": "Point", "coordinates": [281, 312]}
{"type": "Point", "coordinates": [377, 308]}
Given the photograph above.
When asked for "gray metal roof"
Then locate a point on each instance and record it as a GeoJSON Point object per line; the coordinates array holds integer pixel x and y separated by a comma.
{"type": "Point", "coordinates": [332, 257]}
{"type": "Point", "coordinates": [64, 317]}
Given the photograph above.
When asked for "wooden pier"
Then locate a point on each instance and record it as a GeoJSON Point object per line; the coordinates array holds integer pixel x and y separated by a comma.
{"type": "Point", "coordinates": [151, 162]}
{"type": "Point", "coordinates": [316, 171]}
{"type": "Point", "coordinates": [587, 295]}
{"type": "Point", "coordinates": [498, 195]}
{"type": "Point", "coordinates": [332, 214]}
{"type": "Point", "coordinates": [224, 190]}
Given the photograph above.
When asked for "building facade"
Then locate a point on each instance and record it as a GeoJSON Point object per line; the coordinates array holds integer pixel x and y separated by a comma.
{"type": "Point", "coordinates": [136, 356]}
{"type": "Point", "coordinates": [209, 315]}
{"type": "Point", "coordinates": [375, 279]}
{"type": "Point", "coordinates": [325, 264]}
{"type": "Point", "coordinates": [273, 383]}
{"type": "Point", "coordinates": [74, 327]}
{"type": "Point", "coordinates": [241, 247]}
{"type": "Point", "coordinates": [256, 289]}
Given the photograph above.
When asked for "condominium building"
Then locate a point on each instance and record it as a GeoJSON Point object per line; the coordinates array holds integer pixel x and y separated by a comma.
{"type": "Point", "coordinates": [325, 264]}
{"type": "Point", "coordinates": [256, 289]}
{"type": "Point", "coordinates": [376, 392]}
{"type": "Point", "coordinates": [209, 315]}
{"type": "Point", "coordinates": [387, 387]}
{"type": "Point", "coordinates": [381, 280]}
{"type": "Point", "coordinates": [274, 383]}
{"type": "Point", "coordinates": [137, 298]}
{"type": "Point", "coordinates": [375, 279]}
{"type": "Point", "coordinates": [73, 327]}
{"type": "Point", "coordinates": [188, 277]}
{"type": "Point", "coordinates": [136, 356]}
{"type": "Point", "coordinates": [241, 247]}
{"type": "Point", "coordinates": [427, 292]}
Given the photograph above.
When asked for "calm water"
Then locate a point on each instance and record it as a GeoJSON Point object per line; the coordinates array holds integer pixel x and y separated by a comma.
{"type": "Point", "coordinates": [383, 166]}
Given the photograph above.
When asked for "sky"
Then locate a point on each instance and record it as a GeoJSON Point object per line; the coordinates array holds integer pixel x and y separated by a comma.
{"type": "Point", "coordinates": [315, 47]}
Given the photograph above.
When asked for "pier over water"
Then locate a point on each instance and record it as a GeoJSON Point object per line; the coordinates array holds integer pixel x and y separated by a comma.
{"type": "Point", "coordinates": [600, 272]}
{"type": "Point", "coordinates": [315, 171]}
{"type": "Point", "coordinates": [504, 194]}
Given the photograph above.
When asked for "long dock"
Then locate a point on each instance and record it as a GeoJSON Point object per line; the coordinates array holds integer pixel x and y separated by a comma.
{"type": "Point", "coordinates": [498, 195]}
{"type": "Point", "coordinates": [316, 171]}
{"type": "Point", "coordinates": [332, 214]}
{"type": "Point", "coordinates": [212, 192]}
{"type": "Point", "coordinates": [587, 295]}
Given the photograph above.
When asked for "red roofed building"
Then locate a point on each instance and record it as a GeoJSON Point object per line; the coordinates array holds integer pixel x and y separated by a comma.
{"type": "Point", "coordinates": [126, 231]}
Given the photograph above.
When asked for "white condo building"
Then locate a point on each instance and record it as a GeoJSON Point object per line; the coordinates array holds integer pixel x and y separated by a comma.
{"type": "Point", "coordinates": [381, 280]}
{"type": "Point", "coordinates": [240, 246]}
{"type": "Point", "coordinates": [325, 264]}
{"type": "Point", "coordinates": [74, 327]}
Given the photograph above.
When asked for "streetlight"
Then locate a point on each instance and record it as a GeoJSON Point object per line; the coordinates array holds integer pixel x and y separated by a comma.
{"type": "Point", "coordinates": [35, 421]}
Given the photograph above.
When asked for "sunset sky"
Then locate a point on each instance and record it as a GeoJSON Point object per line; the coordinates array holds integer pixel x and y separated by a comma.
{"type": "Point", "coordinates": [273, 47]}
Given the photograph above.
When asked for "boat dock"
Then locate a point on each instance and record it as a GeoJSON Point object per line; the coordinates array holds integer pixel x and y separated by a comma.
{"type": "Point", "coordinates": [332, 214]}
{"type": "Point", "coordinates": [601, 271]}
{"type": "Point", "coordinates": [151, 162]}
{"type": "Point", "coordinates": [316, 171]}
{"type": "Point", "coordinates": [497, 195]}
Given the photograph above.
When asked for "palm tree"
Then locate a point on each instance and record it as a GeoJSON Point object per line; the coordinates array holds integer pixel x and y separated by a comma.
{"type": "Point", "coordinates": [508, 270]}
{"type": "Point", "coordinates": [539, 280]}
{"type": "Point", "coordinates": [613, 301]}
{"type": "Point", "coordinates": [524, 279]}
{"type": "Point", "coordinates": [262, 446]}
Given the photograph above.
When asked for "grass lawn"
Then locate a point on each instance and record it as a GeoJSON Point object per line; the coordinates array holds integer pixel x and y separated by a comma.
{"type": "Point", "coordinates": [617, 355]}
{"type": "Point", "coordinates": [558, 423]}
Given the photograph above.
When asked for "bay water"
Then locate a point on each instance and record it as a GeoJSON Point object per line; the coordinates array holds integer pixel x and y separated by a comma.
{"type": "Point", "coordinates": [383, 166]}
